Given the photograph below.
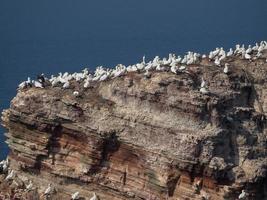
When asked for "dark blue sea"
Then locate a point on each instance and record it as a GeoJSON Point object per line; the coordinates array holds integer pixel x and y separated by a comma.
{"type": "Point", "coordinates": [66, 35]}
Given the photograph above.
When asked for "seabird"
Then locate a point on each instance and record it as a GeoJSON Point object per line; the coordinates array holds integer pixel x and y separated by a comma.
{"type": "Point", "coordinates": [37, 84]}
{"type": "Point", "coordinates": [41, 78]}
{"type": "Point", "coordinates": [29, 186]}
{"type": "Point", "coordinates": [66, 85]}
{"type": "Point", "coordinates": [249, 50]}
{"type": "Point", "coordinates": [203, 83]}
{"type": "Point", "coordinates": [22, 85]}
{"type": "Point", "coordinates": [226, 68]}
{"type": "Point", "coordinates": [94, 197]}
{"type": "Point", "coordinates": [75, 196]}
{"type": "Point", "coordinates": [48, 189]}
{"type": "Point", "coordinates": [144, 59]}
{"type": "Point", "coordinates": [76, 93]}
{"type": "Point", "coordinates": [217, 61]}
{"type": "Point", "coordinates": [204, 90]}
{"type": "Point", "coordinates": [174, 68]}
{"type": "Point", "coordinates": [10, 175]}
{"type": "Point", "coordinates": [147, 74]}
{"type": "Point", "coordinates": [182, 67]}
{"type": "Point", "coordinates": [242, 195]}
{"type": "Point", "coordinates": [86, 84]}
{"type": "Point", "coordinates": [247, 56]}
{"type": "Point", "coordinates": [230, 52]}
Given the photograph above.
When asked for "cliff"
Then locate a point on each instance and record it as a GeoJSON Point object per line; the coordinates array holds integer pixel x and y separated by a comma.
{"type": "Point", "coordinates": [136, 137]}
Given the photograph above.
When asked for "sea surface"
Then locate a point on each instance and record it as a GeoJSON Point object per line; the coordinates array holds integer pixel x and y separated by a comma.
{"type": "Point", "coordinates": [66, 35]}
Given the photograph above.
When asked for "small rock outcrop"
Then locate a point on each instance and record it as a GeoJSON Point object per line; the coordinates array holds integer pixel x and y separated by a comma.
{"type": "Point", "coordinates": [136, 137]}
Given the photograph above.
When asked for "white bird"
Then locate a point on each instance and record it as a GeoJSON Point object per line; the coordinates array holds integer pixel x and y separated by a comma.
{"type": "Point", "coordinates": [226, 68]}
{"type": "Point", "coordinates": [204, 56]}
{"type": "Point", "coordinates": [204, 90]}
{"type": "Point", "coordinates": [242, 195]}
{"type": "Point", "coordinates": [10, 175]}
{"type": "Point", "coordinates": [22, 85]}
{"type": "Point", "coordinates": [247, 56]}
{"type": "Point", "coordinates": [230, 52]}
{"type": "Point", "coordinates": [94, 197]}
{"type": "Point", "coordinates": [144, 59]}
{"type": "Point", "coordinates": [76, 93]}
{"type": "Point", "coordinates": [29, 186]}
{"type": "Point", "coordinates": [86, 84]}
{"type": "Point", "coordinates": [249, 50]}
{"type": "Point", "coordinates": [174, 68]}
{"type": "Point", "coordinates": [66, 85]}
{"type": "Point", "coordinates": [48, 189]}
{"type": "Point", "coordinates": [75, 196]}
{"type": "Point", "coordinates": [203, 83]}
{"type": "Point", "coordinates": [182, 67]}
{"type": "Point", "coordinates": [28, 80]}
{"type": "Point", "coordinates": [104, 77]}
{"type": "Point", "coordinates": [217, 61]}
{"type": "Point", "coordinates": [147, 74]}
{"type": "Point", "coordinates": [37, 84]}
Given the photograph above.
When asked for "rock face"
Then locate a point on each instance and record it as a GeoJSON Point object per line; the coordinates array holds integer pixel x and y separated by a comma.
{"type": "Point", "coordinates": [144, 138]}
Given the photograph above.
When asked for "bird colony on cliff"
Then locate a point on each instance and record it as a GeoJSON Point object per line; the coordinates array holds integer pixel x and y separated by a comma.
{"type": "Point", "coordinates": [174, 64]}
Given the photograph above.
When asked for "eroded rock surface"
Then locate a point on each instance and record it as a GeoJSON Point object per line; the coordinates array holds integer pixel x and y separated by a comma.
{"type": "Point", "coordinates": [144, 138]}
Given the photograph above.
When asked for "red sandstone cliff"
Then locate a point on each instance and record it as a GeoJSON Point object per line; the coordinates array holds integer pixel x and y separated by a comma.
{"type": "Point", "coordinates": [144, 138]}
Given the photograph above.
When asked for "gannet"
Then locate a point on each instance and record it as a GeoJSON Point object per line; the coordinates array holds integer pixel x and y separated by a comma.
{"type": "Point", "coordinates": [104, 77]}
{"type": "Point", "coordinates": [256, 47]}
{"type": "Point", "coordinates": [76, 93]}
{"type": "Point", "coordinates": [144, 59]}
{"type": "Point", "coordinates": [203, 83]}
{"type": "Point", "coordinates": [204, 56]}
{"type": "Point", "coordinates": [249, 50]}
{"type": "Point", "coordinates": [29, 186]}
{"type": "Point", "coordinates": [131, 68]}
{"type": "Point", "coordinates": [66, 85]}
{"type": "Point", "coordinates": [41, 78]}
{"type": "Point", "coordinates": [242, 195]}
{"type": "Point", "coordinates": [37, 84]}
{"type": "Point", "coordinates": [174, 68]}
{"type": "Point", "coordinates": [160, 68]}
{"type": "Point", "coordinates": [86, 84]}
{"type": "Point", "coordinates": [22, 85]}
{"type": "Point", "coordinates": [10, 175]}
{"type": "Point", "coordinates": [75, 196]}
{"type": "Point", "coordinates": [230, 52]}
{"type": "Point", "coordinates": [48, 189]}
{"type": "Point", "coordinates": [247, 56]}
{"type": "Point", "coordinates": [94, 197]}
{"type": "Point", "coordinates": [28, 80]}
{"type": "Point", "coordinates": [217, 61]}
{"type": "Point", "coordinates": [149, 66]}
{"type": "Point", "coordinates": [226, 68]}
{"type": "Point", "coordinates": [147, 74]}
{"type": "Point", "coordinates": [204, 90]}
{"type": "Point", "coordinates": [182, 67]}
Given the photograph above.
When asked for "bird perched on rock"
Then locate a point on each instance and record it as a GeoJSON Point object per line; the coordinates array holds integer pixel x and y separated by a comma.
{"type": "Point", "coordinates": [48, 190]}
{"type": "Point", "coordinates": [75, 196]}
{"type": "Point", "coordinates": [226, 68]}
{"type": "Point", "coordinates": [76, 93]}
{"type": "Point", "coordinates": [242, 195]}
{"type": "Point", "coordinates": [94, 197]}
{"type": "Point", "coordinates": [204, 90]}
{"type": "Point", "coordinates": [29, 186]}
{"type": "Point", "coordinates": [10, 175]}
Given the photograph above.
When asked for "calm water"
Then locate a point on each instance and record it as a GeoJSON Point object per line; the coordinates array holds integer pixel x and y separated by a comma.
{"type": "Point", "coordinates": [67, 35]}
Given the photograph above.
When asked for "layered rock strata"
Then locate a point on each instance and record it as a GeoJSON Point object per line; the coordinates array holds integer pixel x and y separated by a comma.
{"type": "Point", "coordinates": [135, 137]}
